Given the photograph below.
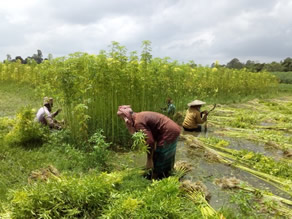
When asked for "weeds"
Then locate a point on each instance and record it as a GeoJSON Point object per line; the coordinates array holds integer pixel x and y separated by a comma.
{"type": "Point", "coordinates": [105, 196]}
{"type": "Point", "coordinates": [26, 131]}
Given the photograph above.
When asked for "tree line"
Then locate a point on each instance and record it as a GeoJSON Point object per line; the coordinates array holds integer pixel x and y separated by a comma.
{"type": "Point", "coordinates": [38, 58]}
{"type": "Point", "coordinates": [282, 66]}
{"type": "Point", "coordinates": [235, 63]}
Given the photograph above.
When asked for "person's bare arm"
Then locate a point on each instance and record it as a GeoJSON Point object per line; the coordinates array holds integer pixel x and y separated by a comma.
{"type": "Point", "coordinates": [199, 119]}
{"type": "Point", "coordinates": [56, 113]}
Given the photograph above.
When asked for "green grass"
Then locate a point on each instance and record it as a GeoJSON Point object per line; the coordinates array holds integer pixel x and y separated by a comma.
{"type": "Point", "coordinates": [284, 77]}
{"type": "Point", "coordinates": [13, 96]}
{"type": "Point", "coordinates": [285, 88]}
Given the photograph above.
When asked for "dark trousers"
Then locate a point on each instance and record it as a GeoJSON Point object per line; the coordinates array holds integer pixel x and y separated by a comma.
{"type": "Point", "coordinates": [199, 129]}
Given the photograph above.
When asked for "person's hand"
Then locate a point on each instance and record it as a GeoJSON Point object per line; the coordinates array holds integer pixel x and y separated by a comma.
{"type": "Point", "coordinates": [205, 112]}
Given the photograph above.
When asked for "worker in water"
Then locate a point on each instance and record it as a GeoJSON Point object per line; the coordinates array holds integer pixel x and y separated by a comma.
{"type": "Point", "coordinates": [194, 117]}
{"type": "Point", "coordinates": [162, 136]}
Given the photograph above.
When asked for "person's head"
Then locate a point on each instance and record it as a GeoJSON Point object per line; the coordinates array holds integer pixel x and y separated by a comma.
{"type": "Point", "coordinates": [196, 104]}
{"type": "Point", "coordinates": [126, 113]}
{"type": "Point", "coordinates": [169, 101]}
{"type": "Point", "coordinates": [48, 102]}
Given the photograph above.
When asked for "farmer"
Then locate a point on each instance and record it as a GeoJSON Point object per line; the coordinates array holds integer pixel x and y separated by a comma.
{"type": "Point", "coordinates": [162, 135]}
{"type": "Point", "coordinates": [45, 116]}
{"type": "Point", "coordinates": [194, 117]}
{"type": "Point", "coordinates": [170, 107]}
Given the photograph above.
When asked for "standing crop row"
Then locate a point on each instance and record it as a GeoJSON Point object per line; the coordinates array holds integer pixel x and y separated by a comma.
{"type": "Point", "coordinates": [91, 87]}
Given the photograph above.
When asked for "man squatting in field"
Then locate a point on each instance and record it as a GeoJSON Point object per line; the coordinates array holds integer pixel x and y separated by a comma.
{"type": "Point", "coordinates": [194, 117]}
{"type": "Point", "coordinates": [162, 136]}
{"type": "Point", "coordinates": [45, 116]}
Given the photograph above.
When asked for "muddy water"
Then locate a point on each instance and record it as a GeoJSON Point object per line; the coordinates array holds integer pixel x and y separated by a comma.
{"type": "Point", "coordinates": [207, 172]}
{"type": "Point", "coordinates": [242, 144]}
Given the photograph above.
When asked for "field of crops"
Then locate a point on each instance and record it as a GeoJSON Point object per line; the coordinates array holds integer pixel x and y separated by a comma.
{"type": "Point", "coordinates": [91, 87]}
{"type": "Point", "coordinates": [239, 168]}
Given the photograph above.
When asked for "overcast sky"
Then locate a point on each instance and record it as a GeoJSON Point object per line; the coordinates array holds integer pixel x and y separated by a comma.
{"type": "Point", "coordinates": [200, 30]}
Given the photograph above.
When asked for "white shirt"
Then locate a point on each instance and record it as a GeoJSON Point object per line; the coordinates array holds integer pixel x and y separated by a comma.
{"type": "Point", "coordinates": [43, 114]}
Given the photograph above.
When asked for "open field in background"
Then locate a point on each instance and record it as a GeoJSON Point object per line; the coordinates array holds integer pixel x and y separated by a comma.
{"type": "Point", "coordinates": [14, 96]}
{"type": "Point", "coordinates": [249, 140]}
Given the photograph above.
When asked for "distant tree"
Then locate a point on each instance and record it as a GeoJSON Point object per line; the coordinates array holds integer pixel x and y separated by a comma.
{"type": "Point", "coordinates": [287, 64]}
{"type": "Point", "coordinates": [258, 67]}
{"type": "Point", "coordinates": [273, 67]}
{"type": "Point", "coordinates": [19, 58]}
{"type": "Point", "coordinates": [192, 64]}
{"type": "Point", "coordinates": [8, 57]}
{"type": "Point", "coordinates": [214, 64]}
{"type": "Point", "coordinates": [50, 56]}
{"type": "Point", "coordinates": [38, 57]}
{"type": "Point", "coordinates": [27, 60]}
{"type": "Point", "coordinates": [250, 65]}
{"type": "Point", "coordinates": [235, 63]}
{"type": "Point", "coordinates": [40, 54]}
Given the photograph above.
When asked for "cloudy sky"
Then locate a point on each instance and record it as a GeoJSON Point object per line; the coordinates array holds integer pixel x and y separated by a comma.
{"type": "Point", "coordinates": [200, 30]}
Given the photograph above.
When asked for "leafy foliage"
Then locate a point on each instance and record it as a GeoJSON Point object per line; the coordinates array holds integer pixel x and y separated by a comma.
{"type": "Point", "coordinates": [114, 195]}
{"type": "Point", "coordinates": [139, 142]}
{"type": "Point", "coordinates": [93, 86]}
{"type": "Point", "coordinates": [6, 125]}
{"type": "Point", "coordinates": [266, 164]}
{"type": "Point", "coordinates": [26, 131]}
{"type": "Point", "coordinates": [65, 197]}
{"type": "Point", "coordinates": [162, 199]}
{"type": "Point", "coordinates": [245, 203]}
{"type": "Point", "coordinates": [99, 155]}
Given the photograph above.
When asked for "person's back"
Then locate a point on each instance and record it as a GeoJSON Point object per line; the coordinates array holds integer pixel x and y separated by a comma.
{"type": "Point", "coordinates": [42, 115]}
{"type": "Point", "coordinates": [194, 117]}
{"type": "Point", "coordinates": [162, 128]}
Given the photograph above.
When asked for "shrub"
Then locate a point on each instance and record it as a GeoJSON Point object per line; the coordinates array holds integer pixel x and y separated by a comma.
{"type": "Point", "coordinates": [26, 131]}
{"type": "Point", "coordinates": [161, 199]}
{"type": "Point", "coordinates": [66, 197]}
{"type": "Point", "coordinates": [99, 153]}
{"type": "Point", "coordinates": [116, 195]}
{"type": "Point", "coordinates": [6, 125]}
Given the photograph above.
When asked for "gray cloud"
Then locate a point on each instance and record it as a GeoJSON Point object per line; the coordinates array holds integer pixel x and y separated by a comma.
{"type": "Point", "coordinates": [201, 30]}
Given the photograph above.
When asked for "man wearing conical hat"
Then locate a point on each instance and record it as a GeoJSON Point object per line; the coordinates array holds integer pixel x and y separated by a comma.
{"type": "Point", "coordinates": [194, 117]}
{"type": "Point", "coordinates": [162, 136]}
{"type": "Point", "coordinates": [45, 116]}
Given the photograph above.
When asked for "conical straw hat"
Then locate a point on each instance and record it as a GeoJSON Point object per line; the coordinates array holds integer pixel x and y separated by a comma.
{"type": "Point", "coordinates": [196, 103]}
